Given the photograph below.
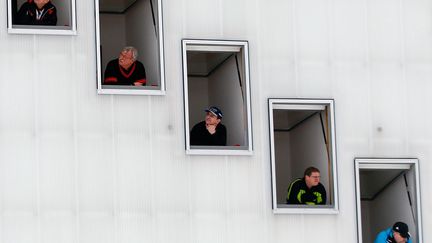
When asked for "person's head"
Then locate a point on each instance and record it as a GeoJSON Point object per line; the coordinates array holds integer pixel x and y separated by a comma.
{"type": "Point", "coordinates": [400, 232]}
{"type": "Point", "coordinates": [128, 56]}
{"type": "Point", "coordinates": [41, 3]}
{"type": "Point", "coordinates": [312, 176]}
{"type": "Point", "coordinates": [213, 116]}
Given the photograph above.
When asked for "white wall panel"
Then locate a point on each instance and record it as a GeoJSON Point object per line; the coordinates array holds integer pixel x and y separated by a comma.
{"type": "Point", "coordinates": [312, 29]}
{"type": "Point", "coordinates": [97, 227]}
{"type": "Point", "coordinates": [277, 51]}
{"type": "Point", "coordinates": [352, 95]}
{"type": "Point", "coordinates": [203, 19]}
{"type": "Point", "coordinates": [13, 226]}
{"type": "Point", "coordinates": [58, 226]}
{"type": "Point", "coordinates": [348, 36]}
{"type": "Point", "coordinates": [418, 99]}
{"type": "Point", "coordinates": [136, 228]}
{"type": "Point", "coordinates": [80, 167]}
{"type": "Point", "coordinates": [19, 168]}
{"type": "Point", "coordinates": [387, 101]}
{"type": "Point", "coordinates": [57, 174]}
{"type": "Point", "coordinates": [416, 23]}
{"type": "Point", "coordinates": [384, 30]}
{"type": "Point", "coordinates": [96, 173]}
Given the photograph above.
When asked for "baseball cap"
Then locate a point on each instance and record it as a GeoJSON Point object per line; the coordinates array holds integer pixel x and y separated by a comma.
{"type": "Point", "coordinates": [402, 228]}
{"type": "Point", "coordinates": [216, 111]}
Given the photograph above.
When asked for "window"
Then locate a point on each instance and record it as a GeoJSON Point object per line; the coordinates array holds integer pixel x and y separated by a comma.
{"type": "Point", "coordinates": [387, 191]}
{"type": "Point", "coordinates": [302, 135]}
{"type": "Point", "coordinates": [56, 18]}
{"type": "Point", "coordinates": [130, 23]}
{"type": "Point", "coordinates": [216, 74]}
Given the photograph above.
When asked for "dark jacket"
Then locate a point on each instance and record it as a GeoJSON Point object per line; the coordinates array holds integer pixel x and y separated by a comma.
{"type": "Point", "coordinates": [200, 136]}
{"type": "Point", "coordinates": [299, 193]}
{"type": "Point", "coordinates": [116, 75]}
{"type": "Point", "coordinates": [29, 14]}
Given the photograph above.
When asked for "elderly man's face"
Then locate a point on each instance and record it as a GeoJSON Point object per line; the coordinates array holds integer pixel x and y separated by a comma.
{"type": "Point", "coordinates": [41, 3]}
{"type": "Point", "coordinates": [126, 59]}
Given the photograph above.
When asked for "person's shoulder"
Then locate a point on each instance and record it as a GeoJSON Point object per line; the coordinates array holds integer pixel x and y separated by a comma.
{"type": "Point", "coordinates": [382, 236]}
{"type": "Point", "coordinates": [320, 185]}
{"type": "Point", "coordinates": [113, 62]}
{"type": "Point", "coordinates": [27, 3]}
{"type": "Point", "coordinates": [199, 124]}
{"type": "Point", "coordinates": [139, 63]}
{"type": "Point", "coordinates": [221, 126]}
{"type": "Point", "coordinates": [50, 4]}
{"type": "Point", "coordinates": [297, 181]}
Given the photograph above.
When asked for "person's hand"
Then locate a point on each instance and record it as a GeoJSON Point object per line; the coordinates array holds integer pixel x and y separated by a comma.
{"type": "Point", "coordinates": [138, 84]}
{"type": "Point", "coordinates": [308, 197]}
{"type": "Point", "coordinates": [211, 128]}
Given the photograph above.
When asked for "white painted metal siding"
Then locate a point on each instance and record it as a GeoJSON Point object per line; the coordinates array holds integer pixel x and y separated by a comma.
{"type": "Point", "coordinates": [80, 167]}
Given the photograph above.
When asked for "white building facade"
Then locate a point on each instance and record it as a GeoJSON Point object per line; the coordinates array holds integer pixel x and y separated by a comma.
{"type": "Point", "coordinates": [81, 167]}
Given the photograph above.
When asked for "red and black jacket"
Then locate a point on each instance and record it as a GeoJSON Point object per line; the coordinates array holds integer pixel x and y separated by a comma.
{"type": "Point", "coordinates": [116, 75]}
{"type": "Point", "coordinates": [30, 14]}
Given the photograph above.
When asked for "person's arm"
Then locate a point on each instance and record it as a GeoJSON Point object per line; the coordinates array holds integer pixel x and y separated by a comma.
{"type": "Point", "coordinates": [141, 75]}
{"type": "Point", "coordinates": [21, 16]}
{"type": "Point", "coordinates": [194, 136]}
{"type": "Point", "coordinates": [109, 75]}
{"type": "Point", "coordinates": [381, 237]}
{"type": "Point", "coordinates": [50, 17]}
{"type": "Point", "coordinates": [323, 196]}
{"type": "Point", "coordinates": [293, 190]}
{"type": "Point", "coordinates": [220, 135]}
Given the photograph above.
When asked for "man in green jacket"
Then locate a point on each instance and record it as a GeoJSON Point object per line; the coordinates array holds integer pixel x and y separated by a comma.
{"type": "Point", "coordinates": [307, 190]}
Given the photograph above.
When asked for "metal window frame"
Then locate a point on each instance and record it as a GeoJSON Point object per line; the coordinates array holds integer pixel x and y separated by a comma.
{"type": "Point", "coordinates": [212, 45]}
{"type": "Point", "coordinates": [43, 30]}
{"type": "Point", "coordinates": [387, 163]}
{"type": "Point", "coordinates": [146, 90]}
{"type": "Point", "coordinates": [303, 104]}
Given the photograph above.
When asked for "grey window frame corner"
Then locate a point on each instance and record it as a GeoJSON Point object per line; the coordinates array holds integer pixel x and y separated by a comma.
{"type": "Point", "coordinates": [42, 30]}
{"type": "Point", "coordinates": [202, 45]}
{"type": "Point", "coordinates": [149, 90]}
{"type": "Point", "coordinates": [296, 104]}
{"type": "Point", "coordinates": [387, 163]}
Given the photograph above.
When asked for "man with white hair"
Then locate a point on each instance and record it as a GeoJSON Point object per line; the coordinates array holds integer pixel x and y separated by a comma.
{"type": "Point", "coordinates": [37, 12]}
{"type": "Point", "coordinates": [126, 69]}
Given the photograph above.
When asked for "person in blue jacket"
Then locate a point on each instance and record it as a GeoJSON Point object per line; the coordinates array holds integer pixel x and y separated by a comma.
{"type": "Point", "coordinates": [399, 233]}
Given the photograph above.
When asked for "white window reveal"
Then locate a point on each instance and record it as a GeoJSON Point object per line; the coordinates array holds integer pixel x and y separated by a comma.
{"type": "Point", "coordinates": [52, 18]}
{"type": "Point", "coordinates": [303, 156]}
{"type": "Point", "coordinates": [387, 191]}
{"type": "Point", "coordinates": [216, 81]}
{"type": "Point", "coordinates": [130, 23]}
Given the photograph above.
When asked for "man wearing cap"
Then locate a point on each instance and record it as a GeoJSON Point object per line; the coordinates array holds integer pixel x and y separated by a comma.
{"type": "Point", "coordinates": [209, 132]}
{"type": "Point", "coordinates": [399, 233]}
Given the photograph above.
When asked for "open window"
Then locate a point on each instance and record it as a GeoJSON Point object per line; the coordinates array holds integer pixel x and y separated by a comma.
{"type": "Point", "coordinates": [302, 135]}
{"type": "Point", "coordinates": [130, 23]}
{"type": "Point", "coordinates": [216, 74]}
{"type": "Point", "coordinates": [57, 17]}
{"type": "Point", "coordinates": [387, 191]}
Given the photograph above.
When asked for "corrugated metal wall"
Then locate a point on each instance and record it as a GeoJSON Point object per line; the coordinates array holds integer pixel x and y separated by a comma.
{"type": "Point", "coordinates": [80, 167]}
